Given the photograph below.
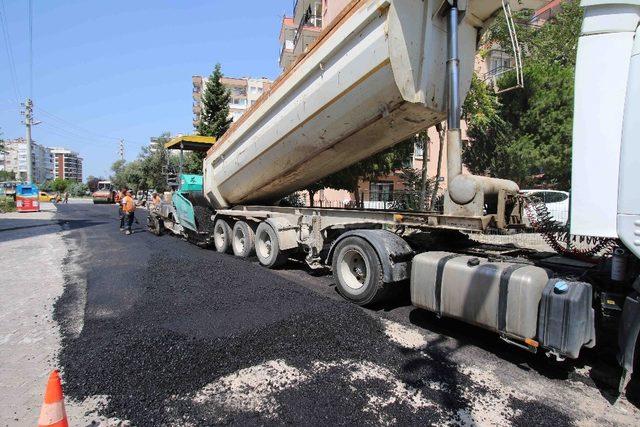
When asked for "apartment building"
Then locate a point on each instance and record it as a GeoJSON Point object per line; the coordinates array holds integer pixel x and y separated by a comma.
{"type": "Point", "coordinates": [547, 12]}
{"type": "Point", "coordinates": [244, 93]}
{"type": "Point", "coordinates": [67, 164]}
{"type": "Point", "coordinates": [298, 32]}
{"type": "Point", "coordinates": [14, 159]}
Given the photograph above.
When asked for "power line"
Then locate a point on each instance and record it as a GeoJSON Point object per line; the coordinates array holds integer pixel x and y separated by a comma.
{"type": "Point", "coordinates": [7, 42]}
{"type": "Point", "coordinates": [82, 132]}
{"type": "Point", "coordinates": [70, 133]}
{"type": "Point", "coordinates": [67, 137]}
{"type": "Point", "coordinates": [73, 125]}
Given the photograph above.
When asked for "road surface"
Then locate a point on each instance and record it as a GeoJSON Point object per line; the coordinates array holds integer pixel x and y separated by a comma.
{"type": "Point", "coordinates": [159, 331]}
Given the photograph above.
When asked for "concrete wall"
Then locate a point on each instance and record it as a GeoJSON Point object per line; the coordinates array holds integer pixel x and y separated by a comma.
{"type": "Point", "coordinates": [331, 9]}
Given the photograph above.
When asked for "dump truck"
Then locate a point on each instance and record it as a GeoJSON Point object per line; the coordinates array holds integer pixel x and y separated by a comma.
{"type": "Point", "coordinates": [386, 69]}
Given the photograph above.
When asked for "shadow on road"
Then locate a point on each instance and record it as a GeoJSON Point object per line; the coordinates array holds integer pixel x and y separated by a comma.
{"type": "Point", "coordinates": [39, 227]}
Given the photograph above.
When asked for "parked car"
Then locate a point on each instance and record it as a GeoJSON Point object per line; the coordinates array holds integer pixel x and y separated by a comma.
{"type": "Point", "coordinates": [43, 196]}
{"type": "Point", "coordinates": [557, 203]}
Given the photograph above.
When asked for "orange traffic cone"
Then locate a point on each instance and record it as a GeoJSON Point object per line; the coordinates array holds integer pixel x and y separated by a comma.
{"type": "Point", "coordinates": [52, 413]}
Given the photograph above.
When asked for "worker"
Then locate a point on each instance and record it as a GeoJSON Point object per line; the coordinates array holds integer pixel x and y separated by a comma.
{"type": "Point", "coordinates": [119, 199]}
{"type": "Point", "coordinates": [155, 201]}
{"type": "Point", "coordinates": [128, 208]}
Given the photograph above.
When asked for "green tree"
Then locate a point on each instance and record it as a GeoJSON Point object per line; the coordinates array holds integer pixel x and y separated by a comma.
{"type": "Point", "coordinates": [128, 175]}
{"type": "Point", "coordinates": [525, 134]}
{"type": "Point", "coordinates": [215, 120]}
{"type": "Point", "coordinates": [7, 176]}
{"type": "Point", "coordinates": [383, 163]}
{"type": "Point", "coordinates": [77, 189]}
{"type": "Point", "coordinates": [134, 177]}
{"type": "Point", "coordinates": [193, 162]}
{"type": "Point", "coordinates": [60, 185]}
{"type": "Point", "coordinates": [155, 162]}
{"type": "Point", "coordinates": [118, 178]}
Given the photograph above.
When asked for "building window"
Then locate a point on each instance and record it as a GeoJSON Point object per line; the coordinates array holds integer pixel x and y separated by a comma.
{"type": "Point", "coordinates": [380, 191]}
{"type": "Point", "coordinates": [418, 149]}
{"type": "Point", "coordinates": [499, 65]}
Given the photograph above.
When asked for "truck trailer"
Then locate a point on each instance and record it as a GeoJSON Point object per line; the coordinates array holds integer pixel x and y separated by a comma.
{"type": "Point", "coordinates": [386, 69]}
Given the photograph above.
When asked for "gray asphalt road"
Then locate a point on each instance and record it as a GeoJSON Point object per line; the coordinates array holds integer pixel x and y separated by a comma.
{"type": "Point", "coordinates": [174, 334]}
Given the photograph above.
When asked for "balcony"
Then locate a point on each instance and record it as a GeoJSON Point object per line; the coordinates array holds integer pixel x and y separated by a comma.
{"type": "Point", "coordinates": [286, 55]}
{"type": "Point", "coordinates": [310, 20]}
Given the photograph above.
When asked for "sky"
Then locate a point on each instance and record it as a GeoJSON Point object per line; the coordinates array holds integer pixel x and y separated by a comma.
{"type": "Point", "coordinates": [105, 70]}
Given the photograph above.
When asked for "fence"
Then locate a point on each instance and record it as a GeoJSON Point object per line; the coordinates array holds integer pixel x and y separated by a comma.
{"type": "Point", "coordinates": [404, 200]}
{"type": "Point", "coordinates": [378, 200]}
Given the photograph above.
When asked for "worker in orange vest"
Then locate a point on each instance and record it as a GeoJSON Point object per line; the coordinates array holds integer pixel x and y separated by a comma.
{"type": "Point", "coordinates": [118, 200]}
{"type": "Point", "coordinates": [128, 208]}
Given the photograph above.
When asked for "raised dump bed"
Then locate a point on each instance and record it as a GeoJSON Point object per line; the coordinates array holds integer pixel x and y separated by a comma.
{"type": "Point", "coordinates": [372, 79]}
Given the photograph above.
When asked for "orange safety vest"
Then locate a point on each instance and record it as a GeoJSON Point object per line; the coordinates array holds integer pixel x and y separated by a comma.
{"type": "Point", "coordinates": [128, 205]}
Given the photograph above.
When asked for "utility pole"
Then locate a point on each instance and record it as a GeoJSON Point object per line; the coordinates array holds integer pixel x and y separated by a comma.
{"type": "Point", "coordinates": [28, 120]}
{"type": "Point", "coordinates": [121, 149]}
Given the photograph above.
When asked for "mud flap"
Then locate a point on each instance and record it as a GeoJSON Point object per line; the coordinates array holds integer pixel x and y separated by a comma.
{"type": "Point", "coordinates": [628, 334]}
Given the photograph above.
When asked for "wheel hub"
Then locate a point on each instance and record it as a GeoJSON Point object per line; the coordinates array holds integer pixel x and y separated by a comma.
{"type": "Point", "coordinates": [354, 269]}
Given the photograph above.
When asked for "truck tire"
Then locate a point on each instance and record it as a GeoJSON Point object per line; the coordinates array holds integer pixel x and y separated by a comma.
{"type": "Point", "coordinates": [222, 236]}
{"type": "Point", "coordinates": [358, 272]}
{"type": "Point", "coordinates": [242, 239]}
{"type": "Point", "coordinates": [268, 246]}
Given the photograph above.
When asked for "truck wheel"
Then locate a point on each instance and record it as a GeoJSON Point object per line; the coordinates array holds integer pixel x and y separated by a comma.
{"type": "Point", "coordinates": [222, 236]}
{"type": "Point", "coordinates": [268, 246]}
{"type": "Point", "coordinates": [242, 239]}
{"type": "Point", "coordinates": [358, 272]}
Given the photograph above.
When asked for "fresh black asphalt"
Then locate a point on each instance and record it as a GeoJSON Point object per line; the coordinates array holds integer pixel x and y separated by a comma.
{"type": "Point", "coordinates": [164, 318]}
